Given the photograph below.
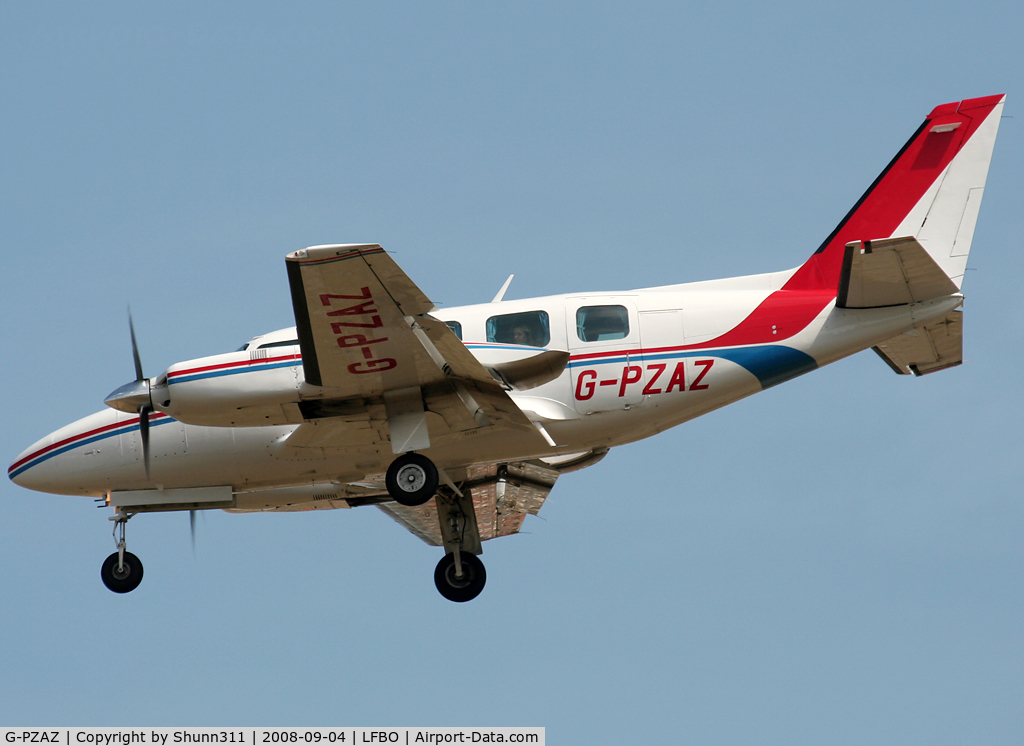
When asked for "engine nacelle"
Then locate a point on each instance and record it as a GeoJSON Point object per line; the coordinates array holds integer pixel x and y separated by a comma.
{"type": "Point", "coordinates": [237, 389]}
{"type": "Point", "coordinates": [262, 386]}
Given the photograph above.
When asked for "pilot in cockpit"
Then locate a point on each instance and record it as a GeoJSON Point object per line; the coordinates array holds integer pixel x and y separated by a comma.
{"type": "Point", "coordinates": [521, 335]}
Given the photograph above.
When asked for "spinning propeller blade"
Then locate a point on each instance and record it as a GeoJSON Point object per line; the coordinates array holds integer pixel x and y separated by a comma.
{"type": "Point", "coordinates": [135, 349]}
{"type": "Point", "coordinates": [136, 396]}
{"type": "Point", "coordinates": [144, 411]}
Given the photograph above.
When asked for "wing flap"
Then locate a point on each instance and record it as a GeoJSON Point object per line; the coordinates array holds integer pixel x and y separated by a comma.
{"type": "Point", "coordinates": [927, 349]}
{"type": "Point", "coordinates": [890, 272]}
{"type": "Point", "coordinates": [342, 431]}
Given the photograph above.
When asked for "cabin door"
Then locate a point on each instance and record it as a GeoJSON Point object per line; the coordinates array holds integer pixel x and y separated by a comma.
{"type": "Point", "coordinates": [606, 366]}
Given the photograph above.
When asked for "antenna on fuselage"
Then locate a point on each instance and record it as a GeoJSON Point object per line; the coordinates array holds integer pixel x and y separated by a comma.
{"type": "Point", "coordinates": [501, 293]}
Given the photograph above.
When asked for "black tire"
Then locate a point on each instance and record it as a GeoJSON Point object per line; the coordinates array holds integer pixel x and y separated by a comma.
{"type": "Point", "coordinates": [463, 589]}
{"type": "Point", "coordinates": [125, 580]}
{"type": "Point", "coordinates": [411, 479]}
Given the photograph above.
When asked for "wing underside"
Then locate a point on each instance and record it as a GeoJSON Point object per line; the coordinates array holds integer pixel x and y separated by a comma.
{"type": "Point", "coordinates": [502, 495]}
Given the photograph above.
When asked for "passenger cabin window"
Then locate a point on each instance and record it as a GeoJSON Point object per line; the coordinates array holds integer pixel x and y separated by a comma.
{"type": "Point", "coordinates": [456, 327]}
{"type": "Point", "coordinates": [602, 323]}
{"type": "Point", "coordinates": [528, 328]}
{"type": "Point", "coordinates": [285, 343]}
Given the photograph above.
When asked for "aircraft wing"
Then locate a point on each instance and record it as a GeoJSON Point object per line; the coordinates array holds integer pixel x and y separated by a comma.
{"type": "Point", "coordinates": [366, 335]}
{"type": "Point", "coordinates": [502, 494]}
{"type": "Point", "coordinates": [351, 304]}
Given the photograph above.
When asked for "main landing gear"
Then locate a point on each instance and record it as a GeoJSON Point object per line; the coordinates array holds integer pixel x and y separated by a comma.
{"type": "Point", "coordinates": [460, 576]}
{"type": "Point", "coordinates": [122, 571]}
{"type": "Point", "coordinates": [412, 480]}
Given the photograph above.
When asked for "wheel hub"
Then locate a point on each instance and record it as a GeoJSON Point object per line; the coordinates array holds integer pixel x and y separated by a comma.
{"type": "Point", "coordinates": [411, 478]}
{"type": "Point", "coordinates": [458, 582]}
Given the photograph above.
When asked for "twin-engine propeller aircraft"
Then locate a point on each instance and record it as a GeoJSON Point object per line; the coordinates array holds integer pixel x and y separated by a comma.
{"type": "Point", "coordinates": [457, 422]}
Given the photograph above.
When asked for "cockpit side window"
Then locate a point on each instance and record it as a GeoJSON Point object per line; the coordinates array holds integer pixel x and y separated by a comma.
{"type": "Point", "coordinates": [285, 343]}
{"type": "Point", "coordinates": [527, 328]}
{"type": "Point", "coordinates": [456, 327]}
{"type": "Point", "coordinates": [602, 323]}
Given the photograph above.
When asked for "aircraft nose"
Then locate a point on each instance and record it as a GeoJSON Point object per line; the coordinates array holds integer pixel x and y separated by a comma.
{"type": "Point", "coordinates": [73, 460]}
{"type": "Point", "coordinates": [22, 473]}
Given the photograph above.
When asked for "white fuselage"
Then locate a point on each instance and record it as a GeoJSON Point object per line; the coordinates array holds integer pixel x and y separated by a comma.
{"type": "Point", "coordinates": [671, 361]}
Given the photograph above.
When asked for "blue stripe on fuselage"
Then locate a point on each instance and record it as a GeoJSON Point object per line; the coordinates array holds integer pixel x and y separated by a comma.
{"type": "Point", "coordinates": [772, 364]}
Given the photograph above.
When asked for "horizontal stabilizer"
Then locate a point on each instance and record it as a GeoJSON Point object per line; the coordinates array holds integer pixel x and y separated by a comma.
{"type": "Point", "coordinates": [890, 272]}
{"type": "Point", "coordinates": [926, 349]}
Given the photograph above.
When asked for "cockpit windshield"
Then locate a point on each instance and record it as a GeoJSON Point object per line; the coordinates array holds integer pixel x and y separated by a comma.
{"type": "Point", "coordinates": [284, 343]}
{"type": "Point", "coordinates": [282, 338]}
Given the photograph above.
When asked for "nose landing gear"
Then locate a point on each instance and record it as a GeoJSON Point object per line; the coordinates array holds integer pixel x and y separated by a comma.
{"type": "Point", "coordinates": [121, 572]}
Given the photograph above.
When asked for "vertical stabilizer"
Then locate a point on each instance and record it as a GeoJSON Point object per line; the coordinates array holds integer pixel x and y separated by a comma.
{"type": "Point", "coordinates": [931, 191]}
{"type": "Point", "coordinates": [924, 205]}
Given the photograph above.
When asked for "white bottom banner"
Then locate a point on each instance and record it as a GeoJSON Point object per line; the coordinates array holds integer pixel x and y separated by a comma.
{"type": "Point", "coordinates": [267, 736]}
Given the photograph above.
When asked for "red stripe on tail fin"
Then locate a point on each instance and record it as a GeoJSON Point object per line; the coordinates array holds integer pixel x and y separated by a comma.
{"type": "Point", "coordinates": [877, 214]}
{"type": "Point", "coordinates": [897, 189]}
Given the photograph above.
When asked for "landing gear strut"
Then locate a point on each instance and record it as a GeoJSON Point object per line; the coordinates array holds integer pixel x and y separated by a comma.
{"type": "Point", "coordinates": [460, 575]}
{"type": "Point", "coordinates": [122, 571]}
{"type": "Point", "coordinates": [411, 479]}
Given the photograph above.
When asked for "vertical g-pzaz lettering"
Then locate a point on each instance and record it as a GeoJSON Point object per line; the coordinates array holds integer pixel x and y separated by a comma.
{"type": "Point", "coordinates": [371, 316]}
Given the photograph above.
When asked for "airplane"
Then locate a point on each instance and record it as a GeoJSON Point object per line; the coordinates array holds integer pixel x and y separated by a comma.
{"type": "Point", "coordinates": [457, 422]}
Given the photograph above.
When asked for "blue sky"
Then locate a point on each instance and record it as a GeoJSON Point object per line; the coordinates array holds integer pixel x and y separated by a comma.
{"type": "Point", "coordinates": [836, 560]}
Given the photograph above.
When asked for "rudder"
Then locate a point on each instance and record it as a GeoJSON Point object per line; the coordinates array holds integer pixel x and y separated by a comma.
{"type": "Point", "coordinates": [944, 218]}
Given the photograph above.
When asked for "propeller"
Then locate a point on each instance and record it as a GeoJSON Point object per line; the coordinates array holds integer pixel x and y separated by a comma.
{"type": "Point", "coordinates": [135, 397]}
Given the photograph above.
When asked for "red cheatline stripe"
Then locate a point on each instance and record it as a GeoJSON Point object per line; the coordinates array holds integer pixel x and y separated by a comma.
{"type": "Point", "coordinates": [614, 353]}
{"type": "Point", "coordinates": [80, 436]}
{"type": "Point", "coordinates": [239, 363]}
